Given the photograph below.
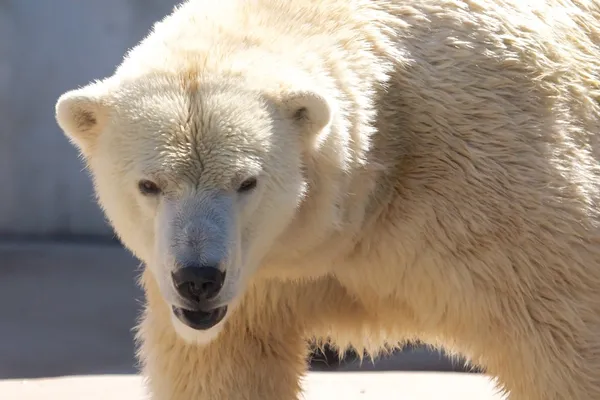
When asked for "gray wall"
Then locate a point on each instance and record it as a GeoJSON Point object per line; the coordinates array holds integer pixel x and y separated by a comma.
{"type": "Point", "coordinates": [46, 48]}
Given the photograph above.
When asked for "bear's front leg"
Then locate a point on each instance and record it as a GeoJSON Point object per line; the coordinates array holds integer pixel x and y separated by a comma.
{"type": "Point", "coordinates": [254, 357]}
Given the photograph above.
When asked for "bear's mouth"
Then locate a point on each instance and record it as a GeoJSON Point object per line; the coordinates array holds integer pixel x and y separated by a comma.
{"type": "Point", "coordinates": [200, 320]}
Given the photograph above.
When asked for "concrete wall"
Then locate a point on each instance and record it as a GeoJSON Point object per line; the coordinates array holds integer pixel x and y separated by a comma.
{"type": "Point", "coordinates": [46, 48]}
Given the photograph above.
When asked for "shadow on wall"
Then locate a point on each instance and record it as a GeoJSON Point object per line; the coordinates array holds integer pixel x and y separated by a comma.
{"type": "Point", "coordinates": [55, 46]}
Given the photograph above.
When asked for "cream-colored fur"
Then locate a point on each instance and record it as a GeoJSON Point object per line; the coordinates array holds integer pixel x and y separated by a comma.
{"type": "Point", "coordinates": [426, 169]}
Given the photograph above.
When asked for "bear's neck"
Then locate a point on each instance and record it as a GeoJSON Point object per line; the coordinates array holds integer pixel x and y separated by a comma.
{"type": "Point", "coordinates": [334, 217]}
{"type": "Point", "coordinates": [351, 166]}
{"type": "Point", "coordinates": [349, 181]}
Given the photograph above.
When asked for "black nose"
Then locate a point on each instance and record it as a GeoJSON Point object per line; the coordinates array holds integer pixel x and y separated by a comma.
{"type": "Point", "coordinates": [198, 283]}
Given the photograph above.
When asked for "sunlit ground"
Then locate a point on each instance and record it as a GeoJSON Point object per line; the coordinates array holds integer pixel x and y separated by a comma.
{"type": "Point", "coordinates": [317, 386]}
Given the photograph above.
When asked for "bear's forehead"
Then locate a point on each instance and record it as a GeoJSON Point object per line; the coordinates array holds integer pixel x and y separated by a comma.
{"type": "Point", "coordinates": [189, 111]}
{"type": "Point", "coordinates": [197, 146]}
{"type": "Point", "coordinates": [193, 132]}
{"type": "Point", "coordinates": [203, 145]}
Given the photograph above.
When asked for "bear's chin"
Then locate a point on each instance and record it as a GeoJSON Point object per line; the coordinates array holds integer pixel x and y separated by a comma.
{"type": "Point", "coordinates": [194, 336]}
{"type": "Point", "coordinates": [200, 320]}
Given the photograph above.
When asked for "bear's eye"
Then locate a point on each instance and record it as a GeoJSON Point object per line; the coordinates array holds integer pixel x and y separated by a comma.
{"type": "Point", "coordinates": [148, 188]}
{"type": "Point", "coordinates": [247, 185]}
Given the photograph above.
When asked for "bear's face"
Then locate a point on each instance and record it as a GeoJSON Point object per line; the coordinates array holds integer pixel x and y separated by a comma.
{"type": "Point", "coordinates": [197, 178]}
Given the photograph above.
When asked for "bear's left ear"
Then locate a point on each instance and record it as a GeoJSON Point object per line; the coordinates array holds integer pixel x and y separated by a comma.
{"type": "Point", "coordinates": [82, 114]}
{"type": "Point", "coordinates": [309, 109]}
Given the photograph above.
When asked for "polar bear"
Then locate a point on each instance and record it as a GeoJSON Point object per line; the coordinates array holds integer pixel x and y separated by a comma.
{"type": "Point", "coordinates": [365, 172]}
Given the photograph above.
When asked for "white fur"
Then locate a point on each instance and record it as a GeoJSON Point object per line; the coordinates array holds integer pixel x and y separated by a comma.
{"type": "Point", "coordinates": [427, 169]}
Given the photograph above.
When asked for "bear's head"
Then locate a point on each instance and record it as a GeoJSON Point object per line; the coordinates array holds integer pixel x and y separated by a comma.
{"type": "Point", "coordinates": [198, 177]}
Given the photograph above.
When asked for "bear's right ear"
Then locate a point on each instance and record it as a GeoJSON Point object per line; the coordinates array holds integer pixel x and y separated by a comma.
{"type": "Point", "coordinates": [82, 114]}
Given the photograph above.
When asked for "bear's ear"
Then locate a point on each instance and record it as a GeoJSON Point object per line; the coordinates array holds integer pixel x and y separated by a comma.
{"type": "Point", "coordinates": [82, 114]}
{"type": "Point", "coordinates": [309, 109]}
